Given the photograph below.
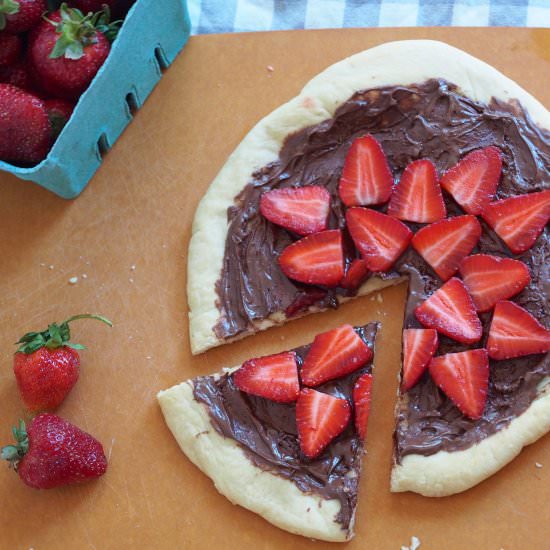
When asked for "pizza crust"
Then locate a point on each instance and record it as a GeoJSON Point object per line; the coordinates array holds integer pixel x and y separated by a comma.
{"type": "Point", "coordinates": [393, 63]}
{"type": "Point", "coordinates": [276, 499]}
{"type": "Point", "coordinates": [446, 473]}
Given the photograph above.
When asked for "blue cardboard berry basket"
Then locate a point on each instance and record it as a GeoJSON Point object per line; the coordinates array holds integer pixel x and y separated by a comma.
{"type": "Point", "coordinates": [152, 35]}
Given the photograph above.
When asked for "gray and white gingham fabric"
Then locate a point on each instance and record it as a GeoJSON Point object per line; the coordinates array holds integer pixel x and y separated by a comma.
{"type": "Point", "coordinates": [216, 16]}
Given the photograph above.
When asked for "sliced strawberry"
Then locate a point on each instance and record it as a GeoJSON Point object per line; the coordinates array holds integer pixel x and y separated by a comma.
{"type": "Point", "coordinates": [450, 311]}
{"type": "Point", "coordinates": [356, 274]}
{"type": "Point", "coordinates": [333, 354]}
{"type": "Point", "coordinates": [361, 403]}
{"type": "Point", "coordinates": [366, 176]}
{"type": "Point", "coordinates": [417, 197]}
{"type": "Point", "coordinates": [379, 238]}
{"type": "Point", "coordinates": [303, 210]}
{"type": "Point", "coordinates": [490, 279]}
{"type": "Point", "coordinates": [464, 377]}
{"type": "Point", "coordinates": [319, 418]}
{"type": "Point", "coordinates": [519, 220]}
{"type": "Point", "coordinates": [419, 346]}
{"type": "Point", "coordinates": [317, 259]}
{"type": "Point", "coordinates": [474, 180]}
{"type": "Point", "coordinates": [515, 332]}
{"type": "Point", "coordinates": [304, 299]}
{"type": "Point", "coordinates": [274, 377]}
{"type": "Point", "coordinates": [446, 243]}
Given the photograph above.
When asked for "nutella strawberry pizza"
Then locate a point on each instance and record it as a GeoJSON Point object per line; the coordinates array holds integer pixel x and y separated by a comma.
{"type": "Point", "coordinates": [410, 162]}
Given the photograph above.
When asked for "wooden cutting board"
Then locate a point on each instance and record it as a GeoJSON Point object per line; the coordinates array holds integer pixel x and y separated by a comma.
{"type": "Point", "coordinates": [126, 238]}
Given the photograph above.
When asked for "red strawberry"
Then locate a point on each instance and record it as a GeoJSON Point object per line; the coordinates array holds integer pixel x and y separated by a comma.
{"type": "Point", "coordinates": [274, 377]}
{"type": "Point", "coordinates": [304, 299]}
{"type": "Point", "coordinates": [52, 452]}
{"type": "Point", "coordinates": [334, 354]}
{"type": "Point", "coordinates": [303, 210]}
{"type": "Point", "coordinates": [419, 346]}
{"type": "Point", "coordinates": [380, 239]}
{"type": "Point", "coordinates": [46, 365]}
{"type": "Point", "coordinates": [67, 50]}
{"type": "Point", "coordinates": [59, 113]}
{"type": "Point", "coordinates": [356, 275]}
{"type": "Point", "coordinates": [519, 220]}
{"type": "Point", "coordinates": [361, 403]}
{"type": "Point", "coordinates": [24, 126]}
{"type": "Point", "coordinates": [317, 259]}
{"type": "Point", "coordinates": [450, 311]}
{"type": "Point", "coordinates": [17, 75]}
{"type": "Point", "coordinates": [474, 180]}
{"type": "Point", "coordinates": [417, 197]}
{"type": "Point", "coordinates": [18, 16]}
{"type": "Point", "coordinates": [515, 332]}
{"type": "Point", "coordinates": [490, 279]}
{"type": "Point", "coordinates": [464, 377]}
{"type": "Point", "coordinates": [446, 243]}
{"type": "Point", "coordinates": [319, 418]}
{"type": "Point", "coordinates": [366, 176]}
{"type": "Point", "coordinates": [86, 6]}
{"type": "Point", "coordinates": [10, 48]}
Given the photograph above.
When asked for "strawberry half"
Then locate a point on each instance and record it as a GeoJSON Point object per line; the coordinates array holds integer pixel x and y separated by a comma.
{"type": "Point", "coordinates": [379, 238]}
{"type": "Point", "coordinates": [274, 377]}
{"type": "Point", "coordinates": [474, 180]}
{"type": "Point", "coordinates": [419, 346]}
{"type": "Point", "coordinates": [355, 275]}
{"type": "Point", "coordinates": [361, 403]}
{"type": "Point", "coordinates": [515, 332]}
{"type": "Point", "coordinates": [317, 259]}
{"type": "Point", "coordinates": [366, 176]}
{"type": "Point", "coordinates": [319, 418]}
{"type": "Point", "coordinates": [518, 221]}
{"type": "Point", "coordinates": [417, 197]}
{"type": "Point", "coordinates": [464, 378]}
{"type": "Point", "coordinates": [446, 243]}
{"type": "Point", "coordinates": [303, 210]}
{"type": "Point", "coordinates": [333, 354]}
{"type": "Point", "coordinates": [490, 279]}
{"type": "Point", "coordinates": [450, 311]}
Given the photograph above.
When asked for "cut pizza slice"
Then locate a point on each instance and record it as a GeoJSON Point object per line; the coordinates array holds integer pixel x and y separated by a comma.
{"type": "Point", "coordinates": [288, 451]}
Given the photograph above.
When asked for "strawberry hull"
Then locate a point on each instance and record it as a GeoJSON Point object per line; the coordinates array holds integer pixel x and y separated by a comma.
{"type": "Point", "coordinates": [133, 68]}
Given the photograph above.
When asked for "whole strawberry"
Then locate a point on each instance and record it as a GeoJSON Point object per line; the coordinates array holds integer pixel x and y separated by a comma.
{"type": "Point", "coordinates": [24, 126]}
{"type": "Point", "coordinates": [47, 365]}
{"type": "Point", "coordinates": [52, 452]}
{"type": "Point", "coordinates": [10, 48]}
{"type": "Point", "coordinates": [59, 112]}
{"type": "Point", "coordinates": [18, 16]}
{"type": "Point", "coordinates": [68, 48]}
{"type": "Point", "coordinates": [17, 74]}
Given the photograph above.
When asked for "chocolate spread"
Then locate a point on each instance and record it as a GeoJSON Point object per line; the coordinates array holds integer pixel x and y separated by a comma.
{"type": "Point", "coordinates": [267, 432]}
{"type": "Point", "coordinates": [429, 120]}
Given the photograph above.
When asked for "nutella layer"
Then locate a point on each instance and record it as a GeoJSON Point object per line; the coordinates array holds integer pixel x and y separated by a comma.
{"type": "Point", "coordinates": [267, 433]}
{"type": "Point", "coordinates": [429, 120]}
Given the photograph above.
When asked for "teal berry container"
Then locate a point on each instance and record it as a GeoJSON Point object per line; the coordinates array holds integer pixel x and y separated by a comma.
{"type": "Point", "coordinates": [152, 35]}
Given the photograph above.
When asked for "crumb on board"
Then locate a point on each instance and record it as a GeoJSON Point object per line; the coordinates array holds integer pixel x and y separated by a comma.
{"type": "Point", "coordinates": [73, 280]}
{"type": "Point", "coordinates": [51, 266]}
{"type": "Point", "coordinates": [132, 267]}
{"type": "Point", "coordinates": [538, 464]}
{"type": "Point", "coordinates": [84, 276]}
{"type": "Point", "coordinates": [131, 280]}
{"type": "Point", "coordinates": [270, 68]}
{"type": "Point", "coordinates": [415, 544]}
{"type": "Point", "coordinates": [379, 298]}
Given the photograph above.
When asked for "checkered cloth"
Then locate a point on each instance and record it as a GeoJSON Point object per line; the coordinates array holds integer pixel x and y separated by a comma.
{"type": "Point", "coordinates": [214, 16]}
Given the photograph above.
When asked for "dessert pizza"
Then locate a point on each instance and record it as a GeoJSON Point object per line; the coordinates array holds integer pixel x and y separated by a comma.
{"type": "Point", "coordinates": [283, 435]}
{"type": "Point", "coordinates": [412, 161]}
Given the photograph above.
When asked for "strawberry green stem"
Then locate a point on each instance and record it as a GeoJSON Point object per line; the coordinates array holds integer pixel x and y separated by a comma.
{"type": "Point", "coordinates": [7, 7]}
{"type": "Point", "coordinates": [14, 453]}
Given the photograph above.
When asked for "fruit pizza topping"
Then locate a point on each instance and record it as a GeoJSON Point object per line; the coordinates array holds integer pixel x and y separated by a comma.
{"type": "Point", "coordinates": [417, 197]}
{"type": "Point", "coordinates": [519, 220]}
{"type": "Point", "coordinates": [366, 177]}
{"type": "Point", "coordinates": [419, 346]}
{"type": "Point", "coordinates": [515, 332]}
{"type": "Point", "coordinates": [303, 210]}
{"type": "Point", "coordinates": [450, 311]}
{"type": "Point", "coordinates": [356, 274]}
{"type": "Point", "coordinates": [361, 403]}
{"type": "Point", "coordinates": [446, 243]}
{"type": "Point", "coordinates": [490, 279]}
{"type": "Point", "coordinates": [474, 180]}
{"type": "Point", "coordinates": [52, 452]}
{"type": "Point", "coordinates": [319, 418]}
{"type": "Point", "coordinates": [334, 354]}
{"type": "Point", "coordinates": [464, 378]}
{"type": "Point", "coordinates": [379, 238]}
{"type": "Point", "coordinates": [274, 377]}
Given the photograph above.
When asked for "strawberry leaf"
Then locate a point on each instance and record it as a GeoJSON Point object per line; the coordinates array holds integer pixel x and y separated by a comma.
{"type": "Point", "coordinates": [7, 7]}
